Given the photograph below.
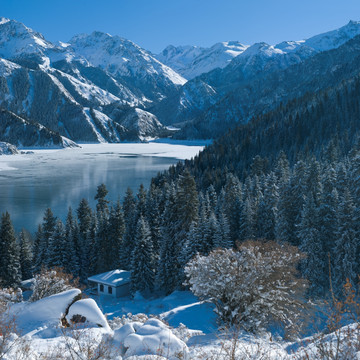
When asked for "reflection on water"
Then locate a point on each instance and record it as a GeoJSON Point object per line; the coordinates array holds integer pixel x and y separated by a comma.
{"type": "Point", "coordinates": [47, 180]}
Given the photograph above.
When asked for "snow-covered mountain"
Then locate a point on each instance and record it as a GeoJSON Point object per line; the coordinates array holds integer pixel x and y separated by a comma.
{"type": "Point", "coordinates": [192, 61]}
{"type": "Point", "coordinates": [57, 85]}
{"type": "Point", "coordinates": [256, 61]}
{"type": "Point", "coordinates": [86, 88]}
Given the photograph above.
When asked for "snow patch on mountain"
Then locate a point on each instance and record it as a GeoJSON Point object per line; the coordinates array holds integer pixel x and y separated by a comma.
{"type": "Point", "coordinates": [16, 39]}
{"type": "Point", "coordinates": [192, 61]}
{"type": "Point", "coordinates": [142, 124]}
{"type": "Point", "coordinates": [121, 57]}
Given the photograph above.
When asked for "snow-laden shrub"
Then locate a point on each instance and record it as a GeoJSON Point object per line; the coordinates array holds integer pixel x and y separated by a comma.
{"type": "Point", "coordinates": [184, 333]}
{"type": "Point", "coordinates": [250, 287]}
{"type": "Point", "coordinates": [9, 296]}
{"type": "Point", "coordinates": [51, 281]}
{"type": "Point", "coordinates": [117, 322]}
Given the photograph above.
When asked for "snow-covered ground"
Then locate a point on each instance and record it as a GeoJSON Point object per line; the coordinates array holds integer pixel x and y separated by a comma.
{"type": "Point", "coordinates": [158, 332]}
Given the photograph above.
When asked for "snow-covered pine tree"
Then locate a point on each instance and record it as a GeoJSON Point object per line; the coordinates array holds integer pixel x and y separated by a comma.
{"type": "Point", "coordinates": [247, 221]}
{"type": "Point", "coordinates": [155, 209]}
{"type": "Point", "coordinates": [222, 236]}
{"type": "Point", "coordinates": [90, 267]}
{"type": "Point", "coordinates": [141, 203]}
{"type": "Point", "coordinates": [57, 249]}
{"type": "Point", "coordinates": [26, 256]}
{"type": "Point", "coordinates": [38, 261]}
{"type": "Point", "coordinates": [129, 206]}
{"type": "Point", "coordinates": [345, 262]}
{"type": "Point", "coordinates": [48, 228]}
{"type": "Point", "coordinates": [328, 218]}
{"type": "Point", "coordinates": [84, 216]}
{"type": "Point", "coordinates": [166, 278]}
{"type": "Point", "coordinates": [102, 238]}
{"type": "Point", "coordinates": [267, 209]}
{"type": "Point", "coordinates": [116, 233]}
{"type": "Point", "coordinates": [285, 228]}
{"type": "Point", "coordinates": [142, 260]}
{"type": "Point", "coordinates": [73, 251]}
{"type": "Point", "coordinates": [313, 267]}
{"type": "Point", "coordinates": [233, 204]}
{"type": "Point", "coordinates": [10, 270]}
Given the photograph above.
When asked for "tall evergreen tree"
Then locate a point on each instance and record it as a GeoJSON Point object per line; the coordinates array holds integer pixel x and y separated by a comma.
{"type": "Point", "coordinates": [26, 256]}
{"type": "Point", "coordinates": [142, 261]}
{"type": "Point", "coordinates": [57, 250]}
{"type": "Point", "coordinates": [10, 270]}
{"type": "Point", "coordinates": [38, 260]}
{"type": "Point", "coordinates": [72, 244]}
{"type": "Point", "coordinates": [48, 228]}
{"type": "Point", "coordinates": [129, 207]}
{"type": "Point", "coordinates": [115, 234]}
{"type": "Point", "coordinates": [314, 265]}
{"type": "Point", "coordinates": [345, 262]}
{"type": "Point", "coordinates": [84, 216]}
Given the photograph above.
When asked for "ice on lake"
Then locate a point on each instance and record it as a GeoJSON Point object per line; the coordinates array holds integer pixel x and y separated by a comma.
{"type": "Point", "coordinates": [30, 183]}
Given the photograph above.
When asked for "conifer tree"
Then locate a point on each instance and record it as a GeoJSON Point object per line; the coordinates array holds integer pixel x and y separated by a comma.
{"type": "Point", "coordinates": [38, 260]}
{"type": "Point", "coordinates": [115, 234]}
{"type": "Point", "coordinates": [247, 221]}
{"type": "Point", "coordinates": [142, 261]}
{"type": "Point", "coordinates": [102, 238]}
{"type": "Point", "coordinates": [314, 265]}
{"type": "Point", "coordinates": [73, 247]}
{"type": "Point", "coordinates": [48, 228]}
{"type": "Point", "coordinates": [129, 207]}
{"type": "Point", "coordinates": [222, 235]}
{"type": "Point", "coordinates": [10, 270]}
{"type": "Point", "coordinates": [84, 216]}
{"type": "Point", "coordinates": [26, 256]}
{"type": "Point", "coordinates": [168, 264]}
{"type": "Point", "coordinates": [345, 262]}
{"type": "Point", "coordinates": [57, 251]}
{"type": "Point", "coordinates": [233, 203]}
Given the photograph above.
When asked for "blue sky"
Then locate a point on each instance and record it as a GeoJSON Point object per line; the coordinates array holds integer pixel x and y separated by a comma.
{"type": "Point", "coordinates": [154, 24]}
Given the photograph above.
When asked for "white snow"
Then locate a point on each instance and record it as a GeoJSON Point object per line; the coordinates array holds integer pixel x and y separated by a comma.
{"type": "Point", "coordinates": [154, 338]}
{"type": "Point", "coordinates": [112, 278]}
{"type": "Point", "coordinates": [90, 310]}
{"type": "Point", "coordinates": [45, 312]}
{"type": "Point", "coordinates": [192, 61]}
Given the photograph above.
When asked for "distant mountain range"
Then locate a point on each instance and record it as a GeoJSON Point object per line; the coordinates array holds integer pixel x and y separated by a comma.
{"type": "Point", "coordinates": [103, 88]}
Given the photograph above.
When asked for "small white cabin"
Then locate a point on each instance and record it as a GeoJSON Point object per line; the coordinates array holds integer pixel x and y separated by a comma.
{"type": "Point", "coordinates": [114, 283]}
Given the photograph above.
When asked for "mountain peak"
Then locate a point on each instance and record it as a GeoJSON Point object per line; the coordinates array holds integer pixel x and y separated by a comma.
{"type": "Point", "coordinates": [16, 39]}
{"type": "Point", "coordinates": [4, 20]}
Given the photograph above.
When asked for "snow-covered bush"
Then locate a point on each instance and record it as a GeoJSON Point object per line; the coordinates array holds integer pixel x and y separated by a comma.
{"type": "Point", "coordinates": [250, 287]}
{"type": "Point", "coordinates": [9, 296]}
{"type": "Point", "coordinates": [117, 322]}
{"type": "Point", "coordinates": [51, 281]}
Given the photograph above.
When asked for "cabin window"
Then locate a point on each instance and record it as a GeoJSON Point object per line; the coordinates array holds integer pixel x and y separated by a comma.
{"type": "Point", "coordinates": [110, 290]}
{"type": "Point", "coordinates": [101, 287]}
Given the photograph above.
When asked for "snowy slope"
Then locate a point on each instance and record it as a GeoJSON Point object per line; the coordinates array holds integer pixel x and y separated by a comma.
{"type": "Point", "coordinates": [142, 125]}
{"type": "Point", "coordinates": [17, 40]}
{"type": "Point", "coordinates": [323, 42]}
{"type": "Point", "coordinates": [257, 61]}
{"type": "Point", "coordinates": [192, 61]}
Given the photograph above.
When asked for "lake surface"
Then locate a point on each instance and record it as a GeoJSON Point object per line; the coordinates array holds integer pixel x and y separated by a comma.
{"type": "Point", "coordinates": [61, 178]}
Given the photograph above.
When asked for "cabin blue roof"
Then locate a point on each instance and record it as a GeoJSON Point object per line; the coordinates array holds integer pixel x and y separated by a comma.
{"type": "Point", "coordinates": [112, 278]}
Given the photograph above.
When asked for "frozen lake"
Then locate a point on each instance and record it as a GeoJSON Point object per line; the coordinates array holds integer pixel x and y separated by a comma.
{"type": "Point", "coordinates": [61, 178]}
